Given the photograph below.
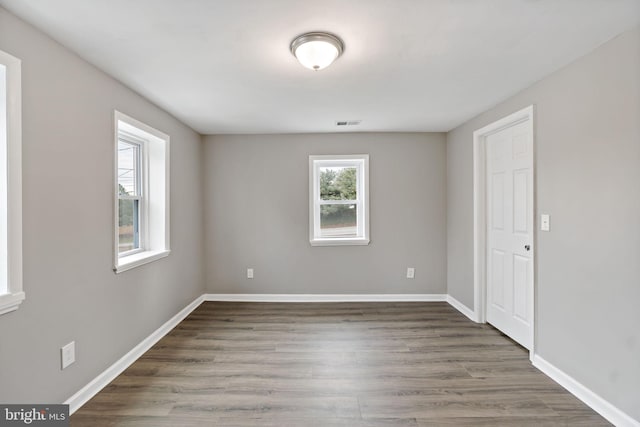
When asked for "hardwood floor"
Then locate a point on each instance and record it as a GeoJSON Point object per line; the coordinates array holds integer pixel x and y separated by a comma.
{"type": "Point", "coordinates": [333, 364]}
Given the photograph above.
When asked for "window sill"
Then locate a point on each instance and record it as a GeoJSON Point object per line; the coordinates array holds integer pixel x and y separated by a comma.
{"type": "Point", "coordinates": [339, 242]}
{"type": "Point", "coordinates": [138, 259]}
{"type": "Point", "coordinates": [10, 302]}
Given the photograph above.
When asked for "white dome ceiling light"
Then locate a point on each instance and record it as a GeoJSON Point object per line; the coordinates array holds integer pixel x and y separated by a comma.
{"type": "Point", "coordinates": [317, 50]}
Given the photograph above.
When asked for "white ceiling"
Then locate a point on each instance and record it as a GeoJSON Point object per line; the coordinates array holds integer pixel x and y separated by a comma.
{"type": "Point", "coordinates": [224, 66]}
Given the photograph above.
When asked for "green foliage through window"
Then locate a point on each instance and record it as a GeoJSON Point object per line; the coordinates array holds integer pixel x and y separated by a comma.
{"type": "Point", "coordinates": [338, 184]}
{"type": "Point", "coordinates": [125, 209]}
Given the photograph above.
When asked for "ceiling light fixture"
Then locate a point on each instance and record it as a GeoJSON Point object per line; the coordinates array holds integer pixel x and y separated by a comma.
{"type": "Point", "coordinates": [317, 50]}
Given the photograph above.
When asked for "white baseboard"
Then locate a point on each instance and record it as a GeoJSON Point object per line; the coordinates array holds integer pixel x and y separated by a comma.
{"type": "Point", "coordinates": [462, 308]}
{"type": "Point", "coordinates": [595, 402]}
{"type": "Point", "coordinates": [326, 297]}
{"type": "Point", "coordinates": [81, 397]}
{"type": "Point", "coordinates": [101, 381]}
{"type": "Point", "coordinates": [604, 408]}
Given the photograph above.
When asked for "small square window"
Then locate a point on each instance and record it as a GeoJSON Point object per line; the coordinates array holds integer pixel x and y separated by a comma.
{"type": "Point", "coordinates": [339, 200]}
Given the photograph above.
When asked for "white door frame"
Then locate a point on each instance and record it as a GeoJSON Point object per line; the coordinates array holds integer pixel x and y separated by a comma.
{"type": "Point", "coordinates": [480, 212]}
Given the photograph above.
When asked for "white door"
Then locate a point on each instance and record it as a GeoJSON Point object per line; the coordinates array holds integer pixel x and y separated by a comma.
{"type": "Point", "coordinates": [509, 180]}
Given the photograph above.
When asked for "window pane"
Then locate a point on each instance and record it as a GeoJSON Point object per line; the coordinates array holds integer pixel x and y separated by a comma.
{"type": "Point", "coordinates": [338, 221]}
{"type": "Point", "coordinates": [338, 183]}
{"type": "Point", "coordinates": [128, 224]}
{"type": "Point", "coordinates": [128, 155]}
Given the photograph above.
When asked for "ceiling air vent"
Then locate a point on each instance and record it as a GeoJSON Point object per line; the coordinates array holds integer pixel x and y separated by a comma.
{"type": "Point", "coordinates": [348, 122]}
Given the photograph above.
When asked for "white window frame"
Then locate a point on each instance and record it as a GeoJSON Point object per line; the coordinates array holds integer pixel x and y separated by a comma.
{"type": "Point", "coordinates": [361, 163]}
{"type": "Point", "coordinates": [11, 292]}
{"type": "Point", "coordinates": [141, 190]}
{"type": "Point", "coordinates": [153, 170]}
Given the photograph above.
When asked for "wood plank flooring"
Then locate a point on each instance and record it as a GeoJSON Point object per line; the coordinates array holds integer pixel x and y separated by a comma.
{"type": "Point", "coordinates": [333, 364]}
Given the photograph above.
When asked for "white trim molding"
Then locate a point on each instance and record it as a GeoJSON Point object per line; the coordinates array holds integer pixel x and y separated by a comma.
{"type": "Point", "coordinates": [591, 399]}
{"type": "Point", "coordinates": [462, 308]}
{"type": "Point", "coordinates": [76, 401]}
{"type": "Point", "coordinates": [359, 162]}
{"type": "Point", "coordinates": [153, 192]}
{"type": "Point", "coordinates": [480, 211]}
{"type": "Point", "coordinates": [11, 280]}
{"type": "Point", "coordinates": [326, 297]}
{"type": "Point", "coordinates": [81, 397]}
{"type": "Point", "coordinates": [141, 258]}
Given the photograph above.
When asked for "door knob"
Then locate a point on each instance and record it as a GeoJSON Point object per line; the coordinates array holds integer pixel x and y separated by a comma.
{"type": "Point", "coordinates": [527, 247]}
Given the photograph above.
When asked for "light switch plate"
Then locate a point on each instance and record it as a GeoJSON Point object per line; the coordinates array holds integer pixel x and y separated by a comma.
{"type": "Point", "coordinates": [544, 222]}
{"type": "Point", "coordinates": [249, 273]}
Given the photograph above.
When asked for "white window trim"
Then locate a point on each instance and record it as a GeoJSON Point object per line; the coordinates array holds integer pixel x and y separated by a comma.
{"type": "Point", "coordinates": [14, 296]}
{"type": "Point", "coordinates": [361, 162]}
{"type": "Point", "coordinates": [155, 232]}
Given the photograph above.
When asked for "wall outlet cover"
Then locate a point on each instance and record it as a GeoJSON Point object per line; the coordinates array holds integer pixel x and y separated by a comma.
{"type": "Point", "coordinates": [544, 222]}
{"type": "Point", "coordinates": [411, 273]}
{"type": "Point", "coordinates": [68, 354]}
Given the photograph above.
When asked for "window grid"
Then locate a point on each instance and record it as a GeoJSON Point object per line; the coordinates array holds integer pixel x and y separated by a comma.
{"type": "Point", "coordinates": [338, 182]}
{"type": "Point", "coordinates": [130, 194]}
{"type": "Point", "coordinates": [338, 167]}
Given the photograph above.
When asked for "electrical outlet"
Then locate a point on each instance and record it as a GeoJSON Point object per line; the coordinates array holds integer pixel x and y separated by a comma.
{"type": "Point", "coordinates": [411, 272]}
{"type": "Point", "coordinates": [68, 354]}
{"type": "Point", "coordinates": [249, 273]}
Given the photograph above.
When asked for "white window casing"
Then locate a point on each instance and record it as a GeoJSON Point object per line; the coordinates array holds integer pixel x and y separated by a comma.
{"type": "Point", "coordinates": [356, 235]}
{"type": "Point", "coordinates": [151, 193]}
{"type": "Point", "coordinates": [11, 292]}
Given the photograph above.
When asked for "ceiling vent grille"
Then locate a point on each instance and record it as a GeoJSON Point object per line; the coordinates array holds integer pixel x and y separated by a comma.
{"type": "Point", "coordinates": [348, 122]}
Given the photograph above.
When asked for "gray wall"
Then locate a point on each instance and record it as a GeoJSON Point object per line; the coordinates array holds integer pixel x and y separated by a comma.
{"type": "Point", "coordinates": [72, 292]}
{"type": "Point", "coordinates": [256, 210]}
{"type": "Point", "coordinates": [587, 129]}
{"type": "Point", "coordinates": [257, 215]}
